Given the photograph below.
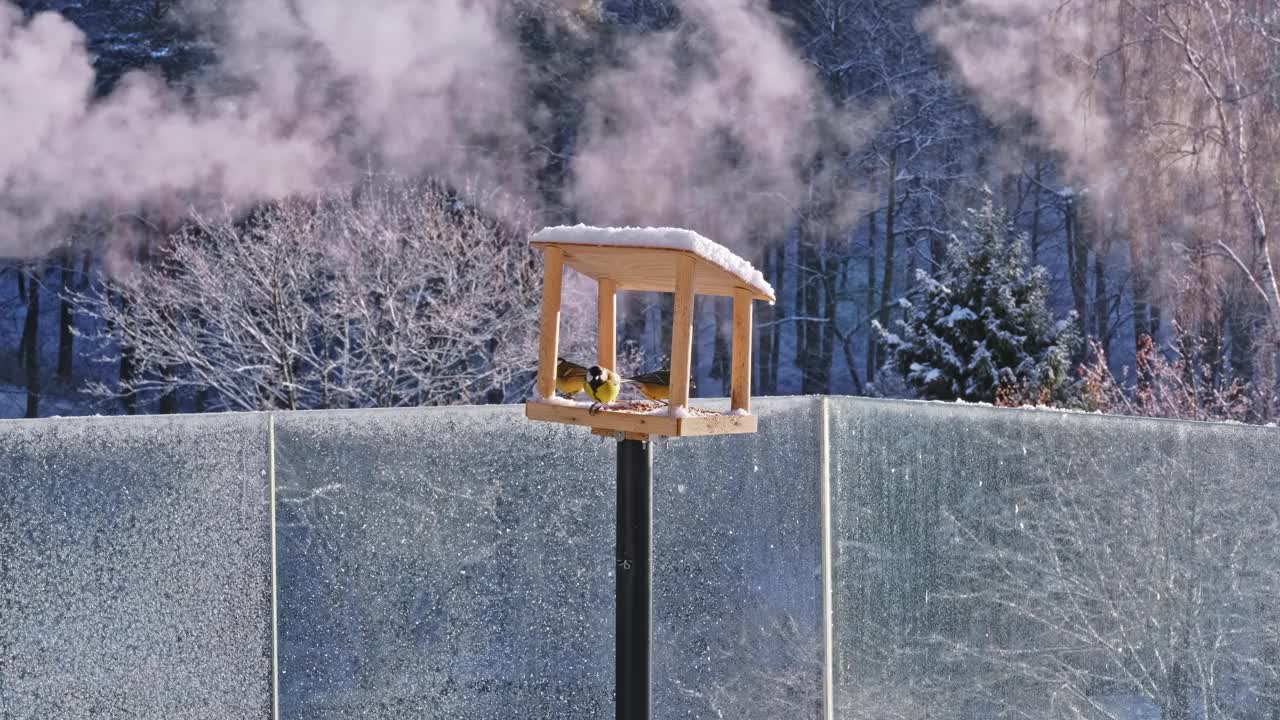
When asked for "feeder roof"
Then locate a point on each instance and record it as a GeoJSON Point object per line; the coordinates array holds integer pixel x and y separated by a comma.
{"type": "Point", "coordinates": [646, 259]}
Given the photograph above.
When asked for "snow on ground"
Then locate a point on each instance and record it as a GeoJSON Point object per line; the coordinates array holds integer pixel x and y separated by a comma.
{"type": "Point", "coordinates": [656, 237]}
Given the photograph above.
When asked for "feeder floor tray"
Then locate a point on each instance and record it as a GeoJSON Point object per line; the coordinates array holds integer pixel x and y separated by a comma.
{"type": "Point", "coordinates": [636, 418]}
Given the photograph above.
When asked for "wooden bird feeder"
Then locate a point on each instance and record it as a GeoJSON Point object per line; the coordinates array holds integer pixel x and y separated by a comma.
{"type": "Point", "coordinates": [658, 260]}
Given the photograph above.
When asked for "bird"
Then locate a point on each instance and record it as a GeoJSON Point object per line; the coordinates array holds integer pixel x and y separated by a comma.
{"type": "Point", "coordinates": [655, 385]}
{"type": "Point", "coordinates": [603, 386]}
{"type": "Point", "coordinates": [570, 377]}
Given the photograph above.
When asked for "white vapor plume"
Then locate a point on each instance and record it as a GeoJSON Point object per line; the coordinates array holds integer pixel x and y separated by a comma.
{"type": "Point", "coordinates": [709, 128]}
{"type": "Point", "coordinates": [423, 86]}
{"type": "Point", "coordinates": [714, 124]}
{"type": "Point", "coordinates": [63, 154]}
{"type": "Point", "coordinates": [304, 96]}
{"type": "Point", "coordinates": [1038, 59]}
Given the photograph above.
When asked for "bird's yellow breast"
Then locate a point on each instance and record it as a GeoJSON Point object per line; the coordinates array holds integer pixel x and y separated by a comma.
{"type": "Point", "coordinates": [603, 391]}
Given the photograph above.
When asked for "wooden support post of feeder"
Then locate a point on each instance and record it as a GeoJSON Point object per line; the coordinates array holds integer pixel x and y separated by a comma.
{"type": "Point", "coordinates": [741, 374]}
{"type": "Point", "coordinates": [551, 284]}
{"type": "Point", "coordinates": [682, 333]}
{"type": "Point", "coordinates": [607, 352]}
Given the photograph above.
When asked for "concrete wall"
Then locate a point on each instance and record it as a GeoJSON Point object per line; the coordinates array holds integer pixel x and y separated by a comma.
{"type": "Point", "coordinates": [457, 562]}
{"type": "Point", "coordinates": [1000, 563]}
{"type": "Point", "coordinates": [135, 568]}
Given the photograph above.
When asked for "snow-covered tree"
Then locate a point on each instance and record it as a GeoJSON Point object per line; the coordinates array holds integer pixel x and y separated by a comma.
{"type": "Point", "coordinates": [980, 328]}
{"type": "Point", "coordinates": [396, 295]}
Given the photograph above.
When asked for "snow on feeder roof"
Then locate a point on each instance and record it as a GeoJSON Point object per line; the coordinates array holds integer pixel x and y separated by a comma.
{"type": "Point", "coordinates": [672, 260]}
{"type": "Point", "coordinates": [593, 251]}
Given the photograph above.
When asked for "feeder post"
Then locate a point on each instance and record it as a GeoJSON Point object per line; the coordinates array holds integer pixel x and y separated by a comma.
{"type": "Point", "coordinates": [741, 374]}
{"type": "Point", "coordinates": [607, 353]}
{"type": "Point", "coordinates": [682, 333]}
{"type": "Point", "coordinates": [549, 342]}
{"type": "Point", "coordinates": [634, 600]}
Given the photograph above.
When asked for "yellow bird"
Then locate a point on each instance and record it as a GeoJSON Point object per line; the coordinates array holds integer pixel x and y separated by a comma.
{"type": "Point", "coordinates": [656, 385]}
{"type": "Point", "coordinates": [570, 377]}
{"type": "Point", "coordinates": [603, 386]}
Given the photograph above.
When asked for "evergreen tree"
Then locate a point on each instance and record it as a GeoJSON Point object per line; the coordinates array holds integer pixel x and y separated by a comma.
{"type": "Point", "coordinates": [980, 329]}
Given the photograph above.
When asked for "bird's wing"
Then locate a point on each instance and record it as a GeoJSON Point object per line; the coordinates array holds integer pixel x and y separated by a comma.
{"type": "Point", "coordinates": [659, 377]}
{"type": "Point", "coordinates": [564, 368]}
{"type": "Point", "coordinates": [651, 378]}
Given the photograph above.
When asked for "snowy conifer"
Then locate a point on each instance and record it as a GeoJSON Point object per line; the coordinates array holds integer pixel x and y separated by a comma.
{"type": "Point", "coordinates": [981, 326]}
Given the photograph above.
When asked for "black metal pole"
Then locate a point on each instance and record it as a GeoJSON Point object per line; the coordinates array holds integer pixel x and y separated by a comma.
{"type": "Point", "coordinates": [634, 559]}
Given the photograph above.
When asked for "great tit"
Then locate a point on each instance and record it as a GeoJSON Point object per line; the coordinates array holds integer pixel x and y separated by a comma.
{"type": "Point", "coordinates": [655, 385]}
{"type": "Point", "coordinates": [570, 377]}
{"type": "Point", "coordinates": [602, 386]}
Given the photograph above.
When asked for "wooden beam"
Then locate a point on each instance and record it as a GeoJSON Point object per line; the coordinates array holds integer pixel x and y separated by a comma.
{"type": "Point", "coordinates": [614, 434]}
{"type": "Point", "coordinates": [716, 425]}
{"type": "Point", "coordinates": [682, 333]}
{"type": "Point", "coordinates": [740, 397]}
{"type": "Point", "coordinates": [651, 269]}
{"type": "Point", "coordinates": [605, 419]}
{"type": "Point", "coordinates": [549, 342]}
{"type": "Point", "coordinates": [607, 352]}
{"type": "Point", "coordinates": [635, 425]}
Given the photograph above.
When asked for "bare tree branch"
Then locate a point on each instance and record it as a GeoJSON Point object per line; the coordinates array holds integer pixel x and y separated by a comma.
{"type": "Point", "coordinates": [396, 295]}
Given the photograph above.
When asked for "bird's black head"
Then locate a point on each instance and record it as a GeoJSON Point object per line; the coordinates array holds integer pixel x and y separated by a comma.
{"type": "Point", "coordinates": [594, 372]}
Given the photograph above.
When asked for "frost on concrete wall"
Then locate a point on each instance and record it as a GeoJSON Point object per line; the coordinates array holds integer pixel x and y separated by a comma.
{"type": "Point", "coordinates": [453, 562]}
{"type": "Point", "coordinates": [443, 563]}
{"type": "Point", "coordinates": [737, 579]}
{"type": "Point", "coordinates": [458, 563]}
{"type": "Point", "coordinates": [135, 575]}
{"type": "Point", "coordinates": [997, 563]}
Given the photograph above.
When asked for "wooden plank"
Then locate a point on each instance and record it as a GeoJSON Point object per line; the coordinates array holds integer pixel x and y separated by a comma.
{"type": "Point", "coordinates": [651, 269]}
{"type": "Point", "coordinates": [614, 433]}
{"type": "Point", "coordinates": [549, 342]}
{"type": "Point", "coordinates": [639, 427]}
{"type": "Point", "coordinates": [606, 352]}
{"type": "Point", "coordinates": [740, 395]}
{"type": "Point", "coordinates": [682, 333]}
{"type": "Point", "coordinates": [606, 419]}
{"type": "Point", "coordinates": [717, 425]}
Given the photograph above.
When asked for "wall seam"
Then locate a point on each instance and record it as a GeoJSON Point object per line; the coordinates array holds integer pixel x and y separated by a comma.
{"type": "Point", "coordinates": [824, 472]}
{"type": "Point", "coordinates": [275, 570]}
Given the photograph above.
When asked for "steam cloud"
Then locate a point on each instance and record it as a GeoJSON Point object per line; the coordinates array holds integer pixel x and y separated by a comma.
{"type": "Point", "coordinates": [709, 129]}
{"type": "Point", "coordinates": [1034, 58]}
{"type": "Point", "coordinates": [64, 154]}
{"type": "Point", "coordinates": [304, 93]}
{"type": "Point", "coordinates": [416, 86]}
